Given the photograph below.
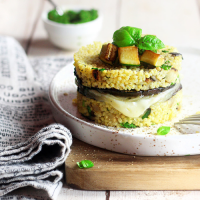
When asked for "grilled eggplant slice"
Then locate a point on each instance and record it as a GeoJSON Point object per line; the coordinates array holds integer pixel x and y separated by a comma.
{"type": "Point", "coordinates": [125, 93]}
{"type": "Point", "coordinates": [152, 58]}
{"type": "Point", "coordinates": [109, 53]}
{"type": "Point", "coordinates": [129, 56]}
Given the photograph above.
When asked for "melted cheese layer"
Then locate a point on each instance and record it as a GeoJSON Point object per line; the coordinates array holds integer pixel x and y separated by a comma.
{"type": "Point", "coordinates": [136, 106]}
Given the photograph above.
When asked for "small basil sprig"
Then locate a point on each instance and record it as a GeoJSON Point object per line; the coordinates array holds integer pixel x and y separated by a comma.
{"type": "Point", "coordinates": [150, 42]}
{"type": "Point", "coordinates": [85, 164]}
{"type": "Point", "coordinates": [163, 130]}
{"type": "Point", "coordinates": [127, 36]}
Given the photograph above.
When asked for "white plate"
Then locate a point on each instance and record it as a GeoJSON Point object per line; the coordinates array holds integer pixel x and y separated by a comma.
{"type": "Point", "coordinates": [182, 140]}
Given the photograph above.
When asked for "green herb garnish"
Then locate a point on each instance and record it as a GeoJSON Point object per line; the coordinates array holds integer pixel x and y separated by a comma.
{"type": "Point", "coordinates": [146, 115]}
{"type": "Point", "coordinates": [127, 36]}
{"type": "Point", "coordinates": [95, 68]}
{"type": "Point", "coordinates": [140, 51]}
{"type": "Point", "coordinates": [150, 42]}
{"type": "Point", "coordinates": [163, 130]}
{"type": "Point", "coordinates": [102, 69]}
{"type": "Point", "coordinates": [85, 164]}
{"type": "Point", "coordinates": [89, 110]}
{"type": "Point", "coordinates": [166, 67]}
{"type": "Point", "coordinates": [127, 125]}
{"type": "Point", "coordinates": [164, 51]}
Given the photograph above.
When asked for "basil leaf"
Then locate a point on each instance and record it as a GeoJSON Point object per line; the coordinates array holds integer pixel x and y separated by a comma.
{"type": "Point", "coordinates": [127, 125]}
{"type": "Point", "coordinates": [150, 42]}
{"type": "Point", "coordinates": [163, 130]}
{"type": "Point", "coordinates": [147, 113]}
{"type": "Point", "coordinates": [127, 36]}
{"type": "Point", "coordinates": [166, 67]}
{"type": "Point", "coordinates": [85, 164]}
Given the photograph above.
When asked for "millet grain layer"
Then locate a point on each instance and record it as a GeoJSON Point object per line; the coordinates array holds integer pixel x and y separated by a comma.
{"type": "Point", "coordinates": [122, 77]}
{"type": "Point", "coordinates": [103, 113]}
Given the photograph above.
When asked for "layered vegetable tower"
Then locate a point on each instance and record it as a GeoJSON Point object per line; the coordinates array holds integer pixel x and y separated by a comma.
{"type": "Point", "coordinates": [132, 82]}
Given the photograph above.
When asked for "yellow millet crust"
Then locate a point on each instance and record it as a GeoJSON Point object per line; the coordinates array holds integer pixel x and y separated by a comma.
{"type": "Point", "coordinates": [122, 77]}
{"type": "Point", "coordinates": [103, 113]}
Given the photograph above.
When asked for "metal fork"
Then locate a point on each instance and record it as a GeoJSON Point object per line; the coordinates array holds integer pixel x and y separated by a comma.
{"type": "Point", "coordinates": [59, 10]}
{"type": "Point", "coordinates": [192, 119]}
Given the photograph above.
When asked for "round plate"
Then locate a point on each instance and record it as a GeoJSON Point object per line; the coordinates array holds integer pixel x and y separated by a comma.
{"type": "Point", "coordinates": [182, 140]}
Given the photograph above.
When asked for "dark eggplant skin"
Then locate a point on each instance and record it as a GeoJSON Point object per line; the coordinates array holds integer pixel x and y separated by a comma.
{"type": "Point", "coordinates": [147, 65]}
{"type": "Point", "coordinates": [176, 54]}
{"type": "Point", "coordinates": [124, 93]}
{"type": "Point", "coordinates": [85, 91]}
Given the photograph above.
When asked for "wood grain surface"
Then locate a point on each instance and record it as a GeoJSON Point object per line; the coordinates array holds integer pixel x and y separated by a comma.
{"type": "Point", "coordinates": [173, 21]}
{"type": "Point", "coordinates": [114, 171]}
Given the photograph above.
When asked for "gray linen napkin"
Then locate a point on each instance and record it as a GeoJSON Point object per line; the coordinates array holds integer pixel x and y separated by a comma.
{"type": "Point", "coordinates": [32, 145]}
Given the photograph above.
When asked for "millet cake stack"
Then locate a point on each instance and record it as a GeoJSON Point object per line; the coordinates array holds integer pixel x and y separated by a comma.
{"type": "Point", "coordinates": [117, 94]}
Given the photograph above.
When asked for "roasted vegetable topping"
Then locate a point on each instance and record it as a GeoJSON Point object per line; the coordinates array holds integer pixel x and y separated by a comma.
{"type": "Point", "coordinates": [130, 44]}
{"type": "Point", "coordinates": [108, 53]}
{"type": "Point", "coordinates": [152, 58]}
{"type": "Point", "coordinates": [129, 56]}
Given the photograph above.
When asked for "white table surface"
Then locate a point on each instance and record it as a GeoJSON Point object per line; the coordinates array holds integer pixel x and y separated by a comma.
{"type": "Point", "coordinates": [175, 22]}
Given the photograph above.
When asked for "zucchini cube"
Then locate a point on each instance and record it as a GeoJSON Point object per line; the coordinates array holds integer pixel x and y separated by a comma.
{"type": "Point", "coordinates": [152, 58]}
{"type": "Point", "coordinates": [108, 53]}
{"type": "Point", "coordinates": [129, 56]}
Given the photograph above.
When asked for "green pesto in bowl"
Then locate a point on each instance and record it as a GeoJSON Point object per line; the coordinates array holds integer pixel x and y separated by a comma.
{"type": "Point", "coordinates": [73, 17]}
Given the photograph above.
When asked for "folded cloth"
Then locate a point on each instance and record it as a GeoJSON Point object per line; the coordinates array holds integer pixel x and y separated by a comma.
{"type": "Point", "coordinates": [32, 145]}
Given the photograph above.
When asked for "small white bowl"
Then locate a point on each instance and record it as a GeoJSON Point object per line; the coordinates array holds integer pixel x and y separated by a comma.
{"type": "Point", "coordinates": [72, 36]}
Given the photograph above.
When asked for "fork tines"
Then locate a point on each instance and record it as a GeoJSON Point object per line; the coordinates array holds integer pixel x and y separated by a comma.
{"type": "Point", "coordinates": [192, 119]}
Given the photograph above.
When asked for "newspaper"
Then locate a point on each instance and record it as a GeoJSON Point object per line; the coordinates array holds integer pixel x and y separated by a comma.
{"type": "Point", "coordinates": [32, 145]}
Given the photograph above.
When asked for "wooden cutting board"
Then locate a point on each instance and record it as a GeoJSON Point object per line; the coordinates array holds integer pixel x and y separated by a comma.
{"type": "Point", "coordinates": [115, 171]}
